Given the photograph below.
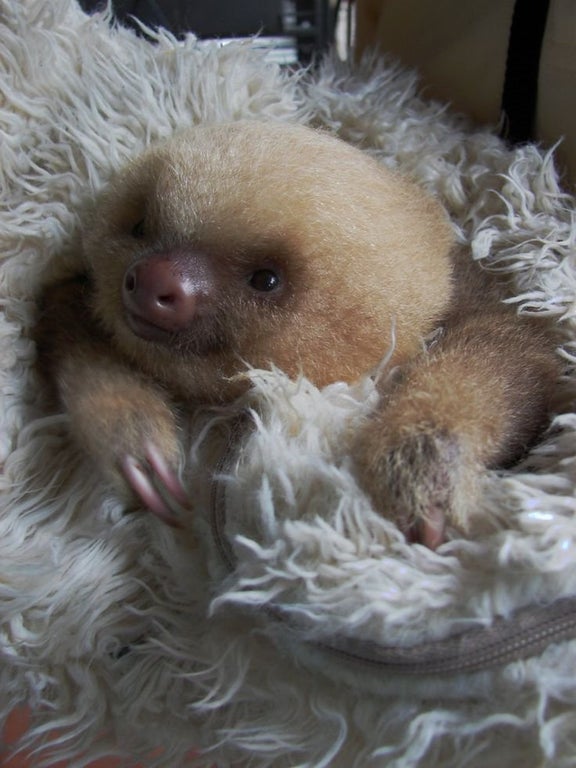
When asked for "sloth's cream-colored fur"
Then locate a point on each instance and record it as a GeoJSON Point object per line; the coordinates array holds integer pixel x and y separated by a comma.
{"type": "Point", "coordinates": [110, 627]}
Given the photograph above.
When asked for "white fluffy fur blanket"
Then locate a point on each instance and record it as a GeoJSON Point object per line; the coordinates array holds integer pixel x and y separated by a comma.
{"type": "Point", "coordinates": [123, 637]}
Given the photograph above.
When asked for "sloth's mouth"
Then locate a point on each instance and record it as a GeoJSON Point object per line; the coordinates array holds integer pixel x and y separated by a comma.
{"type": "Point", "coordinates": [204, 338]}
{"type": "Point", "coordinates": [146, 330]}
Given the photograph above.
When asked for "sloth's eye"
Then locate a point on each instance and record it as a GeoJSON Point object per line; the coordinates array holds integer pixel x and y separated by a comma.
{"type": "Point", "coordinates": [264, 280]}
{"type": "Point", "coordinates": [138, 230]}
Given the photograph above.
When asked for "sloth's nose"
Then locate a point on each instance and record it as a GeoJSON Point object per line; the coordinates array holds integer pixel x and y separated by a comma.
{"type": "Point", "coordinates": [165, 290]}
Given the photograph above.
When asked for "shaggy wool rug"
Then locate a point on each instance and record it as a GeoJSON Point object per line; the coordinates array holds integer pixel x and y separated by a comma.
{"type": "Point", "coordinates": [303, 630]}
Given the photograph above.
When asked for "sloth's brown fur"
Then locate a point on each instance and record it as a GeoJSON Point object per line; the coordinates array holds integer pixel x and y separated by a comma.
{"type": "Point", "coordinates": [368, 264]}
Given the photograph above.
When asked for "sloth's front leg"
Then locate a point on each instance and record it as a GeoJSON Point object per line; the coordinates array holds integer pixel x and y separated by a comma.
{"type": "Point", "coordinates": [477, 399]}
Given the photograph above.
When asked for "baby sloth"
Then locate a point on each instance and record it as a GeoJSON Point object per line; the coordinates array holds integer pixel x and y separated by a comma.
{"type": "Point", "coordinates": [257, 243]}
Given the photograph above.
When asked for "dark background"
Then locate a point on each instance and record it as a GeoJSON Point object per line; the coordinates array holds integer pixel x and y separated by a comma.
{"type": "Point", "coordinates": [307, 25]}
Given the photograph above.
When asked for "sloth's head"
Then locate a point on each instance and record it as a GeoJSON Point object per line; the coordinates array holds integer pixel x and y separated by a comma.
{"type": "Point", "coordinates": [258, 243]}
